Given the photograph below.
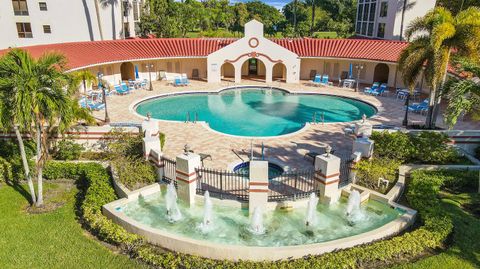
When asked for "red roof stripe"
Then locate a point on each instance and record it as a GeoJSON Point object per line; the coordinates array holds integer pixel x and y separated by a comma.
{"type": "Point", "coordinates": [82, 54]}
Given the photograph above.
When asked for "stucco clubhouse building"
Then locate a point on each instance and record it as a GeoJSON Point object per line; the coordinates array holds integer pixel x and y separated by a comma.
{"type": "Point", "coordinates": [251, 57]}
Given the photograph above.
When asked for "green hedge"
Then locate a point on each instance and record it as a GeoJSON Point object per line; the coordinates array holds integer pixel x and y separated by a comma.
{"type": "Point", "coordinates": [6, 172]}
{"type": "Point", "coordinates": [96, 190]}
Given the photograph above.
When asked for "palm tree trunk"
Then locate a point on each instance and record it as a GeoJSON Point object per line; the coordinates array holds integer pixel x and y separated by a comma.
{"type": "Point", "coordinates": [39, 167]}
{"type": "Point", "coordinates": [313, 17]}
{"type": "Point", "coordinates": [97, 11]}
{"type": "Point", "coordinates": [26, 169]}
{"type": "Point", "coordinates": [436, 108]}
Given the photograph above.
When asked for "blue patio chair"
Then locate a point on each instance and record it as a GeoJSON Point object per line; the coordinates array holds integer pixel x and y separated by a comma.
{"type": "Point", "coordinates": [177, 81]}
{"type": "Point", "coordinates": [119, 89]}
{"type": "Point", "coordinates": [125, 88]}
{"type": "Point", "coordinates": [379, 91]}
{"type": "Point", "coordinates": [419, 107]}
{"type": "Point", "coordinates": [185, 79]}
{"type": "Point", "coordinates": [317, 79]}
{"type": "Point", "coordinates": [143, 84]}
{"type": "Point", "coordinates": [324, 81]}
{"type": "Point", "coordinates": [85, 103]}
{"type": "Point", "coordinates": [374, 87]}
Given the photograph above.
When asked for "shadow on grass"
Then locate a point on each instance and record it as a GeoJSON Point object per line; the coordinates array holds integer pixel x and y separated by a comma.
{"type": "Point", "coordinates": [22, 190]}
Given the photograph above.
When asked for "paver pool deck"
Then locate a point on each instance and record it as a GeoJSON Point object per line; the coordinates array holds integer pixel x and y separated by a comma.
{"type": "Point", "coordinates": [287, 150]}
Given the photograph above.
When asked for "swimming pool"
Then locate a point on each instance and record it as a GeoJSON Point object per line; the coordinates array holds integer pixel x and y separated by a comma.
{"type": "Point", "coordinates": [255, 112]}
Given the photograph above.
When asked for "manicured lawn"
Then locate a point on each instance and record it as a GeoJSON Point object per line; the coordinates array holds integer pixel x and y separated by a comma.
{"type": "Point", "coordinates": [464, 252]}
{"type": "Point", "coordinates": [49, 240]}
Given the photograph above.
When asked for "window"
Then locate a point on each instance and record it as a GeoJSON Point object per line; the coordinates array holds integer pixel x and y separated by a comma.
{"type": "Point", "coordinates": [383, 9]}
{"type": "Point", "coordinates": [135, 10]}
{"type": "Point", "coordinates": [381, 30]}
{"type": "Point", "coordinates": [20, 7]}
{"type": "Point", "coordinates": [47, 29]}
{"type": "Point", "coordinates": [366, 13]}
{"type": "Point", "coordinates": [126, 7]}
{"type": "Point", "coordinates": [137, 28]}
{"type": "Point", "coordinates": [126, 29]}
{"type": "Point", "coordinates": [370, 29]}
{"type": "Point", "coordinates": [24, 30]}
{"type": "Point", "coordinates": [43, 6]}
{"type": "Point", "coordinates": [372, 11]}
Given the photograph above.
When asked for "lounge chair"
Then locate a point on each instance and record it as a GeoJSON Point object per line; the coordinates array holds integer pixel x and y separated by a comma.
{"type": "Point", "coordinates": [314, 154]}
{"type": "Point", "coordinates": [324, 81]}
{"type": "Point", "coordinates": [177, 81]}
{"type": "Point", "coordinates": [89, 104]}
{"type": "Point", "coordinates": [368, 90]}
{"type": "Point", "coordinates": [125, 88]}
{"type": "Point", "coordinates": [419, 107]}
{"type": "Point", "coordinates": [317, 80]}
{"type": "Point", "coordinates": [185, 81]}
{"type": "Point", "coordinates": [119, 90]}
{"type": "Point", "coordinates": [380, 90]}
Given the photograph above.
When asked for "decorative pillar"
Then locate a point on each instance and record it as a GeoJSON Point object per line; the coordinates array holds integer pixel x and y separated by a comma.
{"type": "Point", "coordinates": [363, 128]}
{"type": "Point", "coordinates": [238, 73]}
{"type": "Point", "coordinates": [268, 73]}
{"type": "Point", "coordinates": [151, 136]}
{"type": "Point", "coordinates": [356, 157]}
{"type": "Point", "coordinates": [186, 176]}
{"type": "Point", "coordinates": [258, 186]}
{"type": "Point", "coordinates": [364, 147]}
{"type": "Point", "coordinates": [155, 157]}
{"type": "Point", "coordinates": [327, 177]}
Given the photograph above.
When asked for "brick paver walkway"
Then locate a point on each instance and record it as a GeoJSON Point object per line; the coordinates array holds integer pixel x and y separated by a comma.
{"type": "Point", "coordinates": [288, 150]}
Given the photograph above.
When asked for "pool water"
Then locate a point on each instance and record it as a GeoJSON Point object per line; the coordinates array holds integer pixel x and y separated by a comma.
{"type": "Point", "coordinates": [231, 225]}
{"type": "Point", "coordinates": [273, 169]}
{"type": "Point", "coordinates": [255, 112]}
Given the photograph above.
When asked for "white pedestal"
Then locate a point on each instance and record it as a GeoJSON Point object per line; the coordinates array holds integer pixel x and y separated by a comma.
{"type": "Point", "coordinates": [258, 186]}
{"type": "Point", "coordinates": [187, 177]}
{"type": "Point", "coordinates": [327, 177]}
{"type": "Point", "coordinates": [363, 129]}
{"type": "Point", "coordinates": [364, 147]}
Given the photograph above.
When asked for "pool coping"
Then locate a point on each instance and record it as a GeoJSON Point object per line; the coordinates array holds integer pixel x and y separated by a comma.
{"type": "Point", "coordinates": [211, 250]}
{"type": "Point", "coordinates": [132, 108]}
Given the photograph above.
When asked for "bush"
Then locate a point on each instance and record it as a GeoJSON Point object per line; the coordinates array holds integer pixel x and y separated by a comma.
{"type": "Point", "coordinates": [6, 173]}
{"type": "Point", "coordinates": [477, 152]}
{"type": "Point", "coordinates": [369, 171]}
{"type": "Point", "coordinates": [9, 150]}
{"type": "Point", "coordinates": [68, 150]}
{"type": "Point", "coordinates": [133, 172]}
{"type": "Point", "coordinates": [424, 148]}
{"type": "Point", "coordinates": [96, 190]}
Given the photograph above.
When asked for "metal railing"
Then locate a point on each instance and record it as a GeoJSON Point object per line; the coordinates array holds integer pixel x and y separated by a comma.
{"type": "Point", "coordinates": [345, 168]}
{"type": "Point", "coordinates": [169, 170]}
{"type": "Point", "coordinates": [291, 185]}
{"type": "Point", "coordinates": [222, 184]}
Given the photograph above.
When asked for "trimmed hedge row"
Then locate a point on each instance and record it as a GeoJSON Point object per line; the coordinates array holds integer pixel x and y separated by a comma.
{"type": "Point", "coordinates": [96, 190]}
{"type": "Point", "coordinates": [6, 171]}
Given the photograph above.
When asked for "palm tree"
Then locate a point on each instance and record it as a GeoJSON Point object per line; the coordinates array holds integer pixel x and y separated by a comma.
{"type": "Point", "coordinates": [312, 24]}
{"type": "Point", "coordinates": [86, 77]}
{"type": "Point", "coordinates": [439, 33]}
{"type": "Point", "coordinates": [38, 94]}
{"type": "Point", "coordinates": [97, 11]}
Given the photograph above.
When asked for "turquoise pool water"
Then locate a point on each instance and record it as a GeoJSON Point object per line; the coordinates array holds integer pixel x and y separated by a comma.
{"type": "Point", "coordinates": [255, 112]}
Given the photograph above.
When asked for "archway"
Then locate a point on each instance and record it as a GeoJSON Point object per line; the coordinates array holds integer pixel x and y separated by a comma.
{"type": "Point", "coordinates": [279, 72]}
{"type": "Point", "coordinates": [381, 73]}
{"type": "Point", "coordinates": [254, 69]}
{"type": "Point", "coordinates": [127, 71]}
{"type": "Point", "coordinates": [227, 72]}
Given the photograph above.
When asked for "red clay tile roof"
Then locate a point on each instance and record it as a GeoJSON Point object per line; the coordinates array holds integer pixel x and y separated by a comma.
{"type": "Point", "coordinates": [81, 54]}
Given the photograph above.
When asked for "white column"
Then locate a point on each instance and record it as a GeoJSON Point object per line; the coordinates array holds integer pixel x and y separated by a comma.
{"type": "Point", "coordinates": [187, 177]}
{"type": "Point", "coordinates": [327, 177]}
{"type": "Point", "coordinates": [364, 147]}
{"type": "Point", "coordinates": [238, 72]}
{"type": "Point", "coordinates": [356, 157]}
{"type": "Point", "coordinates": [268, 73]}
{"type": "Point", "coordinates": [258, 186]}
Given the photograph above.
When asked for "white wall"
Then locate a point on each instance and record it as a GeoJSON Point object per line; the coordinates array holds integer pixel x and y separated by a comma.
{"type": "Point", "coordinates": [70, 21]}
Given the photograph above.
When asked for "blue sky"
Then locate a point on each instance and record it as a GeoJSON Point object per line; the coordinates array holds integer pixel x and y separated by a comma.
{"type": "Point", "coordinates": [276, 3]}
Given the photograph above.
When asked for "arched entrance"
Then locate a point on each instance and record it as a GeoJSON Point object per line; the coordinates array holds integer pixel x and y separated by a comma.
{"type": "Point", "coordinates": [279, 72]}
{"type": "Point", "coordinates": [127, 71]}
{"type": "Point", "coordinates": [381, 73]}
{"type": "Point", "coordinates": [228, 72]}
{"type": "Point", "coordinates": [253, 69]}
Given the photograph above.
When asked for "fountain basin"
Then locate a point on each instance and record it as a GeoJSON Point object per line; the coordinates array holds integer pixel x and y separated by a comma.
{"type": "Point", "coordinates": [153, 229]}
{"type": "Point", "coordinates": [274, 170]}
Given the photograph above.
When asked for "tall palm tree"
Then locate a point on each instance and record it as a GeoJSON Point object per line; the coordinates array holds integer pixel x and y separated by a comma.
{"type": "Point", "coordinates": [312, 3]}
{"type": "Point", "coordinates": [38, 96]}
{"type": "Point", "coordinates": [86, 77]}
{"type": "Point", "coordinates": [441, 33]}
{"type": "Point", "coordinates": [97, 11]}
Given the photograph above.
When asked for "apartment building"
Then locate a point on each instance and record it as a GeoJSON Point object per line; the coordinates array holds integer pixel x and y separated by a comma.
{"type": "Point", "coordinates": [388, 19]}
{"type": "Point", "coordinates": [35, 22]}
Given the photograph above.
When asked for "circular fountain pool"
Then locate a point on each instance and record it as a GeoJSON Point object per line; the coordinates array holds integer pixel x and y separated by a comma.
{"type": "Point", "coordinates": [255, 112]}
{"type": "Point", "coordinates": [274, 170]}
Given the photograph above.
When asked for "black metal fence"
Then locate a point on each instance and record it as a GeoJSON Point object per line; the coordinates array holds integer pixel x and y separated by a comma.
{"type": "Point", "coordinates": [169, 170]}
{"type": "Point", "coordinates": [345, 169]}
{"type": "Point", "coordinates": [222, 184]}
{"type": "Point", "coordinates": [291, 185]}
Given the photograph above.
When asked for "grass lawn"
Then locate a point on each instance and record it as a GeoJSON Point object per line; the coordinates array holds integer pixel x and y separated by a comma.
{"type": "Point", "coordinates": [464, 252]}
{"type": "Point", "coordinates": [50, 240]}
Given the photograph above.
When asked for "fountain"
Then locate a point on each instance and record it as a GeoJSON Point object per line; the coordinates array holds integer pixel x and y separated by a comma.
{"type": "Point", "coordinates": [207, 223]}
{"type": "Point", "coordinates": [173, 212]}
{"type": "Point", "coordinates": [311, 217]}
{"type": "Point", "coordinates": [256, 223]}
{"type": "Point", "coordinates": [353, 211]}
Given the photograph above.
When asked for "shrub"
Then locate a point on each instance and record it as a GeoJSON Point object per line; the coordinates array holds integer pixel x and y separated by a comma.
{"type": "Point", "coordinates": [425, 147]}
{"type": "Point", "coordinates": [96, 190]}
{"type": "Point", "coordinates": [6, 173]}
{"type": "Point", "coordinates": [369, 171]}
{"type": "Point", "coordinates": [9, 150]}
{"type": "Point", "coordinates": [477, 152]}
{"type": "Point", "coordinates": [134, 172]}
{"type": "Point", "coordinates": [68, 150]}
